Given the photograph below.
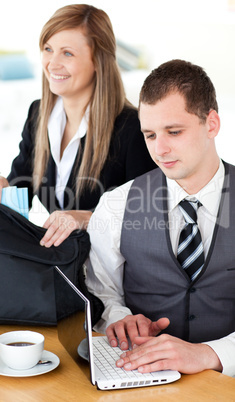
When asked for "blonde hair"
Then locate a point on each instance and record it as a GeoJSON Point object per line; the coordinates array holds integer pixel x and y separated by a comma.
{"type": "Point", "coordinates": [106, 103]}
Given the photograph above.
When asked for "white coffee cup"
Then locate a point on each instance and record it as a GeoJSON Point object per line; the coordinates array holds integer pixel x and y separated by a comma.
{"type": "Point", "coordinates": [21, 350]}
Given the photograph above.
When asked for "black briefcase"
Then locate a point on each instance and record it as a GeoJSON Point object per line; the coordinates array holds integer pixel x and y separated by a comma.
{"type": "Point", "coordinates": [27, 282]}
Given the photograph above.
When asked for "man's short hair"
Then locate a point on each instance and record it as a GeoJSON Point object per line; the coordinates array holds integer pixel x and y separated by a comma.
{"type": "Point", "coordinates": [186, 78]}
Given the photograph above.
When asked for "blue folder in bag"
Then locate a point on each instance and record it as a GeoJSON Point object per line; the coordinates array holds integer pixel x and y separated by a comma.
{"type": "Point", "coordinates": [16, 199]}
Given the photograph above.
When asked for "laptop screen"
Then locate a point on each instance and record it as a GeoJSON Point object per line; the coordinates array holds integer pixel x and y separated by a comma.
{"type": "Point", "coordinates": [72, 331]}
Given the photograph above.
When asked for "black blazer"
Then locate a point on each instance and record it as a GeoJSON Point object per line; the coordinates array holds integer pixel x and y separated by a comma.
{"type": "Point", "coordinates": [128, 158]}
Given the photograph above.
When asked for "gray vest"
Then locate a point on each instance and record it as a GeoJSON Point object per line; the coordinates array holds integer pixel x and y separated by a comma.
{"type": "Point", "coordinates": [154, 282]}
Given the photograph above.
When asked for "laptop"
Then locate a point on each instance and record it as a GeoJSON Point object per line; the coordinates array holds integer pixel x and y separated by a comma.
{"type": "Point", "coordinates": [75, 334]}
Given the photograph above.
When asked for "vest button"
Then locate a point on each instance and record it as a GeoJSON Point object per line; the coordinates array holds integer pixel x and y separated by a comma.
{"type": "Point", "coordinates": [192, 290]}
{"type": "Point", "coordinates": [191, 317]}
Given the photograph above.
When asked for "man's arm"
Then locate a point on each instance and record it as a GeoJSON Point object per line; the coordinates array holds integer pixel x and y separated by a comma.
{"type": "Point", "coordinates": [225, 350]}
{"type": "Point", "coordinates": [163, 352]}
{"type": "Point", "coordinates": [105, 264]}
{"type": "Point", "coordinates": [166, 352]}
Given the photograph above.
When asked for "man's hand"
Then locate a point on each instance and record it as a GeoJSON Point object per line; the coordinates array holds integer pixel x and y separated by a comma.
{"type": "Point", "coordinates": [61, 224]}
{"type": "Point", "coordinates": [166, 352]}
{"type": "Point", "coordinates": [133, 326]}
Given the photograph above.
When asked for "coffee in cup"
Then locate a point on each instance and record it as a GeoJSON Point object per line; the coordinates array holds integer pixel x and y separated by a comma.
{"type": "Point", "coordinates": [21, 350]}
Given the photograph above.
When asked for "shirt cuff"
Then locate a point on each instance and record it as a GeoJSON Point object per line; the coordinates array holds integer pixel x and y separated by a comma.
{"type": "Point", "coordinates": [225, 350]}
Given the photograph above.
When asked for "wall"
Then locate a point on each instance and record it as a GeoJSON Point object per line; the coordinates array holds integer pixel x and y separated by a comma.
{"type": "Point", "coordinates": [202, 32]}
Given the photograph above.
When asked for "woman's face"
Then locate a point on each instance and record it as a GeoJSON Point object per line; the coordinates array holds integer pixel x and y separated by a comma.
{"type": "Point", "coordinates": [68, 66]}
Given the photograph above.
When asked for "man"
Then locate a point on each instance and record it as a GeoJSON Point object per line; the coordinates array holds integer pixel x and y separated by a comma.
{"type": "Point", "coordinates": [145, 267]}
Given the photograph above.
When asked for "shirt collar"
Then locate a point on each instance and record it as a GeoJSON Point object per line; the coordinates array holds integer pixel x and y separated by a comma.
{"type": "Point", "coordinates": [209, 195]}
{"type": "Point", "coordinates": [56, 127]}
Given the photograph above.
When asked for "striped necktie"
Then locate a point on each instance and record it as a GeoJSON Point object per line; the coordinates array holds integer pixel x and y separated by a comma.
{"type": "Point", "coordinates": [190, 250]}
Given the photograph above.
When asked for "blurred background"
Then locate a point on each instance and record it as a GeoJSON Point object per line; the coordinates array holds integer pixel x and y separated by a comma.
{"type": "Point", "coordinates": [148, 33]}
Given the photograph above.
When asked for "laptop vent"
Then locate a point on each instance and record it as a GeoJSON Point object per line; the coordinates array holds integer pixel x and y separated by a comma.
{"type": "Point", "coordinates": [136, 383]}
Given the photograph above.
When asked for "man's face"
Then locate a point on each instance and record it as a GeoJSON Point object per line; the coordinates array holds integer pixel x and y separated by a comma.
{"type": "Point", "coordinates": [178, 142]}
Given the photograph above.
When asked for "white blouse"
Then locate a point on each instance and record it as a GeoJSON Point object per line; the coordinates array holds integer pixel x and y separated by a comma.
{"type": "Point", "coordinates": [56, 127]}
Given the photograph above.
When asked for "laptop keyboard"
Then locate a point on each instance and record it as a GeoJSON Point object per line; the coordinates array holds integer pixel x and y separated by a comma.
{"type": "Point", "coordinates": [105, 358]}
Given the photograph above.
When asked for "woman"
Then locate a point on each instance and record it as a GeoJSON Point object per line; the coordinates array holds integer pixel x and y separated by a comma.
{"type": "Point", "coordinates": [83, 137]}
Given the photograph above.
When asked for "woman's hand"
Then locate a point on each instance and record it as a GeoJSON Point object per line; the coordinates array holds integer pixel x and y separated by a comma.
{"type": "Point", "coordinates": [60, 224]}
{"type": "Point", "coordinates": [3, 183]}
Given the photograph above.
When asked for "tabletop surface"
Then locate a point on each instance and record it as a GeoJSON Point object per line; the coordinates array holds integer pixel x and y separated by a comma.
{"type": "Point", "coordinates": [71, 382]}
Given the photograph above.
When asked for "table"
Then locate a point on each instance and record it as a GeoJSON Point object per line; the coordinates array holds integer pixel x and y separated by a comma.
{"type": "Point", "coordinates": [70, 382]}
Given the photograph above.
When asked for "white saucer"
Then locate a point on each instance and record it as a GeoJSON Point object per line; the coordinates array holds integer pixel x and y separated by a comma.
{"type": "Point", "coordinates": [82, 349]}
{"type": "Point", "coordinates": [36, 370]}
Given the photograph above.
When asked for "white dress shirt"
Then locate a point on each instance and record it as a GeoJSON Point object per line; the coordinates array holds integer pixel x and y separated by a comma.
{"type": "Point", "coordinates": [106, 264]}
{"type": "Point", "coordinates": [209, 196]}
{"type": "Point", "coordinates": [56, 127]}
